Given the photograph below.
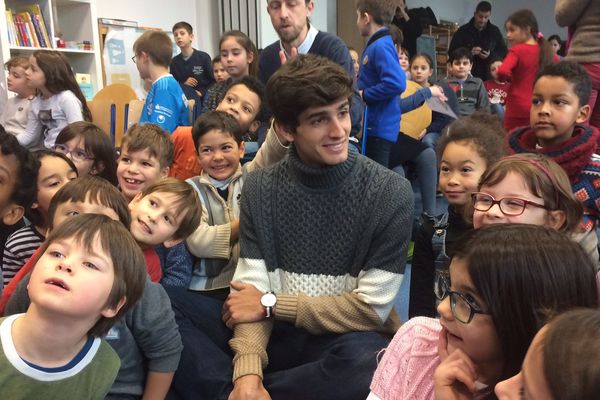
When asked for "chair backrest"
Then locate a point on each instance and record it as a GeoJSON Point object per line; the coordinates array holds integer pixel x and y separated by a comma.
{"type": "Point", "coordinates": [120, 95]}
{"type": "Point", "coordinates": [103, 115]}
{"type": "Point", "coordinates": [192, 107]}
{"type": "Point", "coordinates": [413, 122]}
{"type": "Point", "coordinates": [133, 111]}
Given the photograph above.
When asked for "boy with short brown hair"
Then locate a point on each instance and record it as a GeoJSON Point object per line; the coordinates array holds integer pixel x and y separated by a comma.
{"type": "Point", "coordinates": [165, 105]}
{"type": "Point", "coordinates": [191, 68]}
{"type": "Point", "coordinates": [380, 80]}
{"type": "Point", "coordinates": [89, 273]}
{"type": "Point", "coordinates": [148, 326]}
{"type": "Point", "coordinates": [146, 156]}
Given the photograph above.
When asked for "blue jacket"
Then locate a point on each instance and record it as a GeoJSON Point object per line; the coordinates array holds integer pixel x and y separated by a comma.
{"type": "Point", "coordinates": [382, 80]}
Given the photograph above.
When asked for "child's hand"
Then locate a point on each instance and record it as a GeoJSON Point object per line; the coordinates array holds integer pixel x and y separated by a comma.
{"type": "Point", "coordinates": [455, 377]}
{"type": "Point", "coordinates": [438, 92]}
{"type": "Point", "coordinates": [191, 81]}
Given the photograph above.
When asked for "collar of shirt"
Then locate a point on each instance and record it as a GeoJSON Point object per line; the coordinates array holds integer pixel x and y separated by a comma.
{"type": "Point", "coordinates": [306, 44]}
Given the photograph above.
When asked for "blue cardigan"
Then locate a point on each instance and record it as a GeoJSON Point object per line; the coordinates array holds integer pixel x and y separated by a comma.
{"type": "Point", "coordinates": [382, 80]}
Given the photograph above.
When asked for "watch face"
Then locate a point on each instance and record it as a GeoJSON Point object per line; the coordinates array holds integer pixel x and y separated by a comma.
{"type": "Point", "coordinates": [268, 300]}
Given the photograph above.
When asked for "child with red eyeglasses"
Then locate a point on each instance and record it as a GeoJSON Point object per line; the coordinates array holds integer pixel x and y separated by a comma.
{"type": "Point", "coordinates": [500, 278]}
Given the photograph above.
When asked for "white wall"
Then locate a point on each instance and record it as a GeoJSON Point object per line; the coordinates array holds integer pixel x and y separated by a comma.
{"type": "Point", "coordinates": [461, 11]}
{"type": "Point", "coordinates": [543, 10]}
{"type": "Point", "coordinates": [201, 14]}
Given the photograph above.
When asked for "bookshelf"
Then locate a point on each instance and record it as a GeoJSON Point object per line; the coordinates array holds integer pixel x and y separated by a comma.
{"type": "Point", "coordinates": [75, 20]}
{"type": "Point", "coordinates": [443, 36]}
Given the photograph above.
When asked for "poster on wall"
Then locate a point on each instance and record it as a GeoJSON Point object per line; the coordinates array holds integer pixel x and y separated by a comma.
{"type": "Point", "coordinates": [118, 58]}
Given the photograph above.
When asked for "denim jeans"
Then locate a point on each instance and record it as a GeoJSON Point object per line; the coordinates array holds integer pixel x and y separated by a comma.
{"type": "Point", "coordinates": [430, 139]}
{"type": "Point", "coordinates": [301, 365]}
{"type": "Point", "coordinates": [379, 150]}
{"type": "Point", "coordinates": [498, 109]}
{"type": "Point", "coordinates": [425, 164]}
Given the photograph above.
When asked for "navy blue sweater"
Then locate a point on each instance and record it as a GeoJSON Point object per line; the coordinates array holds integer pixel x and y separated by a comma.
{"type": "Point", "coordinates": [198, 66]}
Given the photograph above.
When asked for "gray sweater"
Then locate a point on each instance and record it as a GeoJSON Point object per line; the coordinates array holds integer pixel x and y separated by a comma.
{"type": "Point", "coordinates": [146, 338]}
{"type": "Point", "coordinates": [329, 241]}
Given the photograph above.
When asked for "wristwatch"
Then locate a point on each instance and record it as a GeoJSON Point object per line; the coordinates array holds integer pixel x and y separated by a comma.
{"type": "Point", "coordinates": [268, 301]}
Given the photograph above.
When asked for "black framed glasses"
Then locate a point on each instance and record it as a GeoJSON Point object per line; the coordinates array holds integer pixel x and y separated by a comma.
{"type": "Point", "coordinates": [511, 206]}
{"type": "Point", "coordinates": [462, 308]}
{"type": "Point", "coordinates": [134, 58]}
{"type": "Point", "coordinates": [76, 154]}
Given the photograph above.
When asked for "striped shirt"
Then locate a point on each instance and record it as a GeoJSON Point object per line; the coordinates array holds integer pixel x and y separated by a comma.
{"type": "Point", "coordinates": [18, 248]}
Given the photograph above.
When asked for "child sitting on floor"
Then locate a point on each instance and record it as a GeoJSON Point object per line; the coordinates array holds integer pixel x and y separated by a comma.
{"type": "Point", "coordinates": [148, 326]}
{"type": "Point", "coordinates": [89, 273]}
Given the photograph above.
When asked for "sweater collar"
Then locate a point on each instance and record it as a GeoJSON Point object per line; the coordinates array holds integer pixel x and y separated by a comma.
{"type": "Point", "coordinates": [378, 35]}
{"type": "Point", "coordinates": [321, 177]}
{"type": "Point", "coordinates": [305, 46]}
{"type": "Point", "coordinates": [572, 155]}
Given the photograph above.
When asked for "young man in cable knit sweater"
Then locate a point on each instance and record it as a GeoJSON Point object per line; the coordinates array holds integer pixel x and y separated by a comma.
{"type": "Point", "coordinates": [323, 238]}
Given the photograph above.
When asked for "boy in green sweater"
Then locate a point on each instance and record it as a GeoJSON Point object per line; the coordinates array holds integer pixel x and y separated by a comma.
{"type": "Point", "coordinates": [89, 273]}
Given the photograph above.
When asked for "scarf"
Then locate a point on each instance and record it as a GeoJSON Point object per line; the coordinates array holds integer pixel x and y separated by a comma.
{"type": "Point", "coordinates": [572, 155]}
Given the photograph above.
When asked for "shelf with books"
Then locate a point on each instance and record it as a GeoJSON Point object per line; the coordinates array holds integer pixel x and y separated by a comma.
{"type": "Point", "coordinates": [72, 21]}
{"type": "Point", "coordinates": [24, 49]}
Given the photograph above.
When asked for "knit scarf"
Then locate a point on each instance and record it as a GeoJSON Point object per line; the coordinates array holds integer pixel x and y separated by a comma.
{"type": "Point", "coordinates": [572, 155]}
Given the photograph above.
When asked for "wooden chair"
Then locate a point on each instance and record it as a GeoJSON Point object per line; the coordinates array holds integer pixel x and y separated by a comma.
{"type": "Point", "coordinates": [413, 122]}
{"type": "Point", "coordinates": [120, 95]}
{"type": "Point", "coordinates": [192, 108]}
{"type": "Point", "coordinates": [133, 111]}
{"type": "Point", "coordinates": [103, 115]}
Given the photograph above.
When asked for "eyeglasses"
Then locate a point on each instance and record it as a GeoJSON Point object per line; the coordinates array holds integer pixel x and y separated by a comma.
{"type": "Point", "coordinates": [511, 206]}
{"type": "Point", "coordinates": [133, 59]}
{"type": "Point", "coordinates": [76, 154]}
{"type": "Point", "coordinates": [463, 309]}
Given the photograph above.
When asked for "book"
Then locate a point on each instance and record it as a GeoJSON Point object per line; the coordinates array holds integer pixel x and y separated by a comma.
{"type": "Point", "coordinates": [87, 90]}
{"type": "Point", "coordinates": [83, 78]}
{"type": "Point", "coordinates": [38, 30]}
{"type": "Point", "coordinates": [33, 40]}
{"type": "Point", "coordinates": [37, 19]}
{"type": "Point", "coordinates": [23, 40]}
{"type": "Point", "coordinates": [40, 20]}
{"type": "Point", "coordinates": [18, 37]}
{"type": "Point", "coordinates": [12, 35]}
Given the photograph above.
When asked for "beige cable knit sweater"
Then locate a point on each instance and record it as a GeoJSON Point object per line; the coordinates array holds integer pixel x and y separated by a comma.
{"type": "Point", "coordinates": [584, 16]}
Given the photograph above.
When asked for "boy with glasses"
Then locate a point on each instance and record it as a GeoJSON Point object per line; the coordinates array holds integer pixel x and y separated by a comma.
{"type": "Point", "coordinates": [165, 105]}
